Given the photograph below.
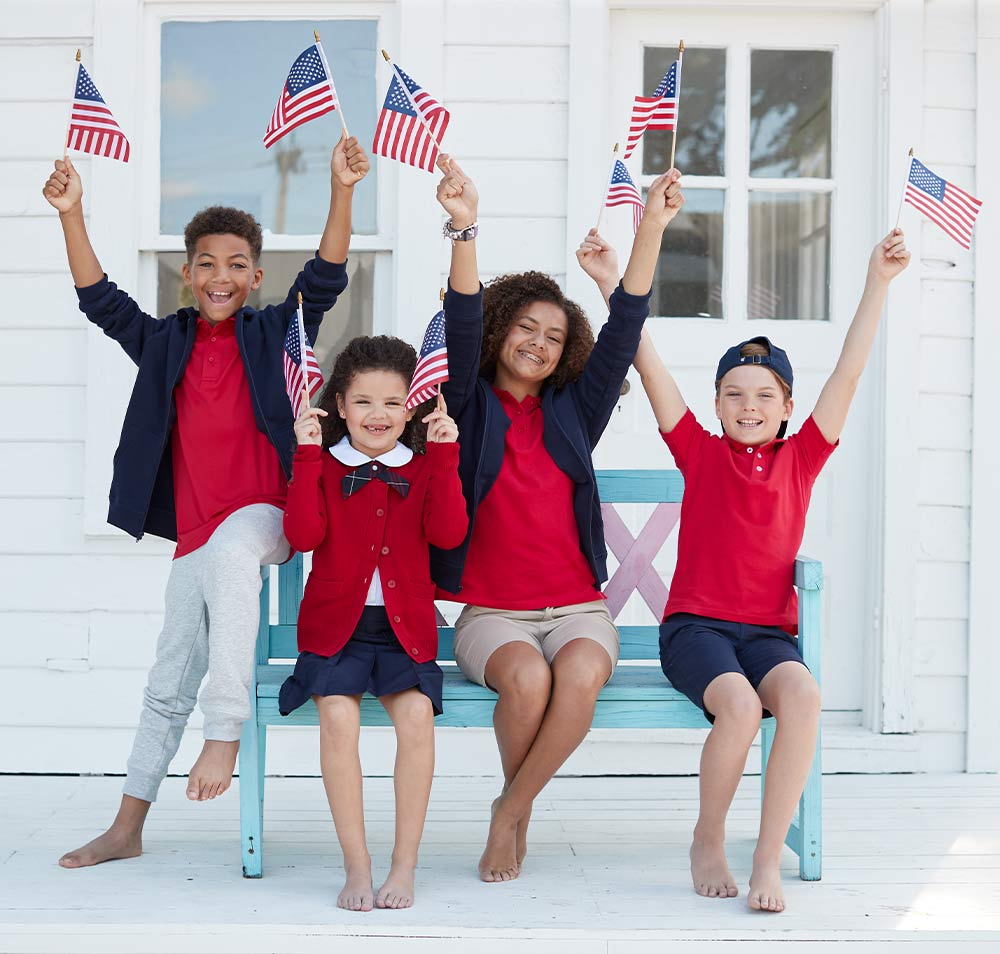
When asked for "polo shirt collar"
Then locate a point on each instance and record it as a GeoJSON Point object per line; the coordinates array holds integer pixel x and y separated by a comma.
{"type": "Point", "coordinates": [737, 448]}
{"type": "Point", "coordinates": [531, 402]}
{"type": "Point", "coordinates": [224, 329]}
{"type": "Point", "coordinates": [350, 457]}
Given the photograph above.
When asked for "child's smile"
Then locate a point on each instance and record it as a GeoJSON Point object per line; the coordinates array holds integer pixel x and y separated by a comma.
{"type": "Point", "coordinates": [374, 409]}
{"type": "Point", "coordinates": [533, 347]}
{"type": "Point", "coordinates": [221, 274]}
{"type": "Point", "coordinates": [752, 405]}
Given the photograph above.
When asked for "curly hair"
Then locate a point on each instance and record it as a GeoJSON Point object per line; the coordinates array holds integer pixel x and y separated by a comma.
{"type": "Point", "coordinates": [503, 301]}
{"type": "Point", "coordinates": [223, 220]}
{"type": "Point", "coordinates": [372, 353]}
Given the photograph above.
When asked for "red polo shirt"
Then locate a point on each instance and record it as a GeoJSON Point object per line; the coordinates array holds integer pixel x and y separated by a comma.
{"type": "Point", "coordinates": [525, 548]}
{"type": "Point", "coordinates": [221, 461]}
{"type": "Point", "coordinates": [742, 520]}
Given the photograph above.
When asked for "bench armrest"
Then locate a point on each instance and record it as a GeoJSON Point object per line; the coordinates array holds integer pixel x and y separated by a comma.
{"type": "Point", "coordinates": [809, 581]}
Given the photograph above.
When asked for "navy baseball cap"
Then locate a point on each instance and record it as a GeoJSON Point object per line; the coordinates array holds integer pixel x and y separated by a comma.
{"type": "Point", "coordinates": [776, 360]}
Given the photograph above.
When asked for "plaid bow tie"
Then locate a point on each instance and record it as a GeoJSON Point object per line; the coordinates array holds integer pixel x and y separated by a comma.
{"type": "Point", "coordinates": [361, 476]}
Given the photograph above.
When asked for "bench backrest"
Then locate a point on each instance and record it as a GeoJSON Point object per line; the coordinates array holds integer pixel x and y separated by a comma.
{"type": "Point", "coordinates": [635, 571]}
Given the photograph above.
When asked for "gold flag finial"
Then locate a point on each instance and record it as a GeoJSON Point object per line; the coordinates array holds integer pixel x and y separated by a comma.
{"type": "Point", "coordinates": [616, 148]}
{"type": "Point", "coordinates": [386, 55]}
{"type": "Point", "coordinates": [441, 295]}
{"type": "Point", "coordinates": [316, 35]}
{"type": "Point", "coordinates": [78, 56]}
{"type": "Point", "coordinates": [300, 299]}
{"type": "Point", "coordinates": [910, 153]}
{"type": "Point", "coordinates": [680, 49]}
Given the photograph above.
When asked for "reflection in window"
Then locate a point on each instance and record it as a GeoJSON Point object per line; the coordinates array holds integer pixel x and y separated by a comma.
{"type": "Point", "coordinates": [688, 280]}
{"type": "Point", "coordinates": [789, 273]}
{"type": "Point", "coordinates": [790, 113]}
{"type": "Point", "coordinates": [701, 112]}
{"type": "Point", "coordinates": [219, 83]}
{"type": "Point", "coordinates": [351, 316]}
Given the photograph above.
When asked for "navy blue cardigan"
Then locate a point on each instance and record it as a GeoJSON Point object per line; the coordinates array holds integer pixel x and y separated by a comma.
{"type": "Point", "coordinates": [575, 418]}
{"type": "Point", "coordinates": [142, 486]}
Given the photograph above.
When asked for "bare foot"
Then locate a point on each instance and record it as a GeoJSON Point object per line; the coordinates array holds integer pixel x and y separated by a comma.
{"type": "Point", "coordinates": [499, 860]}
{"type": "Point", "coordinates": [710, 870]}
{"type": "Point", "coordinates": [113, 845]}
{"type": "Point", "coordinates": [212, 774]}
{"type": "Point", "coordinates": [357, 892]}
{"type": "Point", "coordinates": [397, 892]}
{"type": "Point", "coordinates": [521, 838]}
{"type": "Point", "coordinates": [765, 888]}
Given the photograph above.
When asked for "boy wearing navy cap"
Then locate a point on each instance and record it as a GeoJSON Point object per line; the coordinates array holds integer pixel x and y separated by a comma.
{"type": "Point", "coordinates": [728, 636]}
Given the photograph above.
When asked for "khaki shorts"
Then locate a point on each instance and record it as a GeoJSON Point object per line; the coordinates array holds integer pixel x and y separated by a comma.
{"type": "Point", "coordinates": [480, 631]}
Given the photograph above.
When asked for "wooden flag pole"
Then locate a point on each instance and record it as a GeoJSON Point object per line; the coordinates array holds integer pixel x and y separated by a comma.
{"type": "Point", "coordinates": [441, 299]}
{"type": "Point", "coordinates": [607, 186]}
{"type": "Point", "coordinates": [677, 108]}
{"type": "Point", "coordinates": [902, 198]}
{"type": "Point", "coordinates": [302, 352]}
{"type": "Point", "coordinates": [409, 96]}
{"type": "Point", "coordinates": [329, 76]}
{"type": "Point", "coordinates": [69, 114]}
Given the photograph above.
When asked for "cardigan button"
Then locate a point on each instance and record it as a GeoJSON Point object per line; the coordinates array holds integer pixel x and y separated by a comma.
{"type": "Point", "coordinates": [384, 549]}
{"type": "Point", "coordinates": [395, 619]}
{"type": "Point", "coordinates": [392, 583]}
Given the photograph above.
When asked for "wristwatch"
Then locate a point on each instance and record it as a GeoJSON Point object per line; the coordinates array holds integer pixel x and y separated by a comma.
{"type": "Point", "coordinates": [463, 235]}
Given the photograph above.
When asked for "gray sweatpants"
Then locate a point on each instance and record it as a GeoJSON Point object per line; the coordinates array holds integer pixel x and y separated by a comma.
{"type": "Point", "coordinates": [210, 625]}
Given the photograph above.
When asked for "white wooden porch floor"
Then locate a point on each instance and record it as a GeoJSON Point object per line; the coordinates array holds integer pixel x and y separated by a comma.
{"type": "Point", "coordinates": [909, 859]}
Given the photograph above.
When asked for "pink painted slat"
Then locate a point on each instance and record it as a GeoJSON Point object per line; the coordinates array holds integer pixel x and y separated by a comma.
{"type": "Point", "coordinates": [635, 556]}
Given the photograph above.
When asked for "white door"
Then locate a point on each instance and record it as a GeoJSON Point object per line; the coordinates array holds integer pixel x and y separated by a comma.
{"type": "Point", "coordinates": [776, 140]}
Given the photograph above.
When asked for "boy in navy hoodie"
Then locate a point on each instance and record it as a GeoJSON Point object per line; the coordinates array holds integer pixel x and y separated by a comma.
{"type": "Point", "coordinates": [205, 453]}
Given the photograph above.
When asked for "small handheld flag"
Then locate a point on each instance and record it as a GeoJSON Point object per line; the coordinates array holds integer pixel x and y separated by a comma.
{"type": "Point", "coordinates": [943, 202]}
{"type": "Point", "coordinates": [307, 94]}
{"type": "Point", "coordinates": [432, 364]}
{"type": "Point", "coordinates": [92, 126]}
{"type": "Point", "coordinates": [622, 191]}
{"type": "Point", "coordinates": [300, 363]}
{"type": "Point", "coordinates": [411, 125]}
{"type": "Point", "coordinates": [658, 111]}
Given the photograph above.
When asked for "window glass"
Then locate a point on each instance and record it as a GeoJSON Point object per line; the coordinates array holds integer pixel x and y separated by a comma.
{"type": "Point", "coordinates": [789, 266]}
{"type": "Point", "coordinates": [220, 82]}
{"type": "Point", "coordinates": [701, 139]}
{"type": "Point", "coordinates": [351, 316]}
{"type": "Point", "coordinates": [688, 279]}
{"type": "Point", "coordinates": [790, 113]}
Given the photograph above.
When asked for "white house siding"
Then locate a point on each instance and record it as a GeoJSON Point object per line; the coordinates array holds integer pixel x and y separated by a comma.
{"type": "Point", "coordinates": [80, 614]}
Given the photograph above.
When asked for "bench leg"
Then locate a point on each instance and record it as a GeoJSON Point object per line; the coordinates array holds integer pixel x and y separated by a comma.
{"type": "Point", "coordinates": [252, 798]}
{"type": "Point", "coordinates": [811, 820]}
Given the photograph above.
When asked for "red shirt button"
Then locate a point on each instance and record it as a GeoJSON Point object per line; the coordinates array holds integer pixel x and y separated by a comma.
{"type": "Point", "coordinates": [414, 651]}
{"type": "Point", "coordinates": [380, 512]}
{"type": "Point", "coordinates": [211, 359]}
{"type": "Point", "coordinates": [395, 619]}
{"type": "Point", "coordinates": [212, 338]}
{"type": "Point", "coordinates": [384, 549]}
{"type": "Point", "coordinates": [391, 584]}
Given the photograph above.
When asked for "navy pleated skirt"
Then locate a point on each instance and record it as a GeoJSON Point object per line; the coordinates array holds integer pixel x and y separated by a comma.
{"type": "Point", "coordinates": [371, 661]}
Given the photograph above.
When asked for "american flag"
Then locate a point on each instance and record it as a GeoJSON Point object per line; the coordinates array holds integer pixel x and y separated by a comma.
{"type": "Point", "coordinates": [622, 191]}
{"type": "Point", "coordinates": [944, 203]}
{"type": "Point", "coordinates": [432, 364]}
{"type": "Point", "coordinates": [658, 111]}
{"type": "Point", "coordinates": [411, 125]}
{"type": "Point", "coordinates": [298, 353]}
{"type": "Point", "coordinates": [92, 127]}
{"type": "Point", "coordinates": [308, 93]}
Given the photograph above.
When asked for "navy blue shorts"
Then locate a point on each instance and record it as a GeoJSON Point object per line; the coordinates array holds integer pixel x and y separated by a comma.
{"type": "Point", "coordinates": [696, 649]}
{"type": "Point", "coordinates": [372, 661]}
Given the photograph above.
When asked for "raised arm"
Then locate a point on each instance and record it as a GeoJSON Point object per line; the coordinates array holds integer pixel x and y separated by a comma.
{"type": "Point", "coordinates": [888, 259]}
{"type": "Point", "coordinates": [661, 389]}
{"type": "Point", "coordinates": [463, 313]}
{"type": "Point", "coordinates": [663, 201]}
{"type": "Point", "coordinates": [64, 192]}
{"type": "Point", "coordinates": [348, 166]}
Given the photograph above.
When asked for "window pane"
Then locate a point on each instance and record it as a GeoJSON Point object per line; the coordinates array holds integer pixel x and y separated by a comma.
{"type": "Point", "coordinates": [351, 316]}
{"type": "Point", "coordinates": [789, 255]}
{"type": "Point", "coordinates": [688, 280]}
{"type": "Point", "coordinates": [219, 84]}
{"type": "Point", "coordinates": [790, 113]}
{"type": "Point", "coordinates": [701, 139]}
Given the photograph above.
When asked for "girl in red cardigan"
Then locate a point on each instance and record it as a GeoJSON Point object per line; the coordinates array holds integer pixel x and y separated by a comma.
{"type": "Point", "coordinates": [368, 496]}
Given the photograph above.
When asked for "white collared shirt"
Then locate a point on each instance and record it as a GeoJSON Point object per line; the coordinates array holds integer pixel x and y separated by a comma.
{"type": "Point", "coordinates": [351, 457]}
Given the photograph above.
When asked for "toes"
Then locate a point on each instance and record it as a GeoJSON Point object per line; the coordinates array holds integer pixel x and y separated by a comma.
{"type": "Point", "coordinates": [732, 890]}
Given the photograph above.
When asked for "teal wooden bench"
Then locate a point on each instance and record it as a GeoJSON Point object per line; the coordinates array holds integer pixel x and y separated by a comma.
{"type": "Point", "coordinates": [637, 696]}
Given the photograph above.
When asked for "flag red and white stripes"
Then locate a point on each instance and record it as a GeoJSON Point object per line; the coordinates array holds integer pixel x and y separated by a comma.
{"type": "Point", "coordinates": [92, 126]}
{"type": "Point", "coordinates": [299, 362]}
{"type": "Point", "coordinates": [411, 125]}
{"type": "Point", "coordinates": [622, 191]}
{"type": "Point", "coordinates": [943, 202]}
{"type": "Point", "coordinates": [432, 364]}
{"type": "Point", "coordinates": [308, 93]}
{"type": "Point", "coordinates": [658, 111]}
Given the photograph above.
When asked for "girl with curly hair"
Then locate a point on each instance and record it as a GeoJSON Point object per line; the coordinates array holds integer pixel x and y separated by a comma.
{"type": "Point", "coordinates": [532, 393]}
{"type": "Point", "coordinates": [371, 487]}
